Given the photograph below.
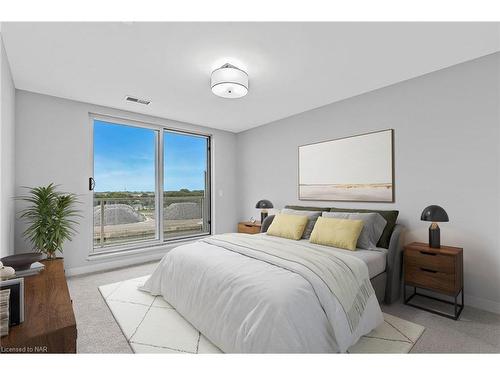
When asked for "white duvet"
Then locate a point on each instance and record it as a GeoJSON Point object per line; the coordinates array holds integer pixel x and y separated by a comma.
{"type": "Point", "coordinates": [247, 305]}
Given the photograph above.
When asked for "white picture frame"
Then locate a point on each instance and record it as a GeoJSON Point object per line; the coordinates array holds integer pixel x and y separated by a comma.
{"type": "Point", "coordinates": [358, 168]}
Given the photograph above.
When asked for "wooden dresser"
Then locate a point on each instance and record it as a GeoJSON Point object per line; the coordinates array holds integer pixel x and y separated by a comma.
{"type": "Point", "coordinates": [49, 323]}
{"type": "Point", "coordinates": [436, 270]}
{"type": "Point", "coordinates": [249, 227]}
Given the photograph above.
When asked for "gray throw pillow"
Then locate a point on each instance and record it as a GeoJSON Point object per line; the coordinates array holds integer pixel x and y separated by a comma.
{"type": "Point", "coordinates": [312, 216]}
{"type": "Point", "coordinates": [373, 226]}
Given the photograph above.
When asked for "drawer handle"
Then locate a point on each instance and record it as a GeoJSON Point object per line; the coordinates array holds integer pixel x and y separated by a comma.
{"type": "Point", "coordinates": [248, 226]}
{"type": "Point", "coordinates": [428, 253]}
{"type": "Point", "coordinates": [428, 270]}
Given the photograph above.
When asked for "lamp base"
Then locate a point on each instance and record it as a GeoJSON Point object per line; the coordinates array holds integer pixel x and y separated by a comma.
{"type": "Point", "coordinates": [434, 236]}
{"type": "Point", "coordinates": [263, 215]}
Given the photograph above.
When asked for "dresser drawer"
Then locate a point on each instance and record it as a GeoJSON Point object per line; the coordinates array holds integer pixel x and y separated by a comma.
{"type": "Point", "coordinates": [248, 228]}
{"type": "Point", "coordinates": [429, 278]}
{"type": "Point", "coordinates": [430, 260]}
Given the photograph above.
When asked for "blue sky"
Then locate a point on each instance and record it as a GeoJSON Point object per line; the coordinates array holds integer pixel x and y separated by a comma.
{"type": "Point", "coordinates": [124, 159]}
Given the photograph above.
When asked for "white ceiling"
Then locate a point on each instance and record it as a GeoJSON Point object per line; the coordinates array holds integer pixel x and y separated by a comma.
{"type": "Point", "coordinates": [293, 67]}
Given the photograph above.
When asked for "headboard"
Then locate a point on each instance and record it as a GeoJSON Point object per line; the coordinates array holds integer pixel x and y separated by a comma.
{"type": "Point", "coordinates": [393, 268]}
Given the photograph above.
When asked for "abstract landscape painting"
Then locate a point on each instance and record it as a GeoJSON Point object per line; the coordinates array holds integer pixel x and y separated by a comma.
{"type": "Point", "coordinates": [357, 168]}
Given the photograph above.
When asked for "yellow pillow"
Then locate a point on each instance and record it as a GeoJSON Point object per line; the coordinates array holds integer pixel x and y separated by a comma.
{"type": "Point", "coordinates": [288, 226]}
{"type": "Point", "coordinates": [339, 233]}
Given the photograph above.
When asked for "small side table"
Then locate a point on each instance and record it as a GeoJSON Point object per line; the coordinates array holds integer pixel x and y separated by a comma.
{"type": "Point", "coordinates": [436, 270]}
{"type": "Point", "coordinates": [249, 227]}
{"type": "Point", "coordinates": [49, 321]}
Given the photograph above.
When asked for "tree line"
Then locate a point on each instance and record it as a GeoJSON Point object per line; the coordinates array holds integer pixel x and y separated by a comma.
{"type": "Point", "coordinates": [145, 194]}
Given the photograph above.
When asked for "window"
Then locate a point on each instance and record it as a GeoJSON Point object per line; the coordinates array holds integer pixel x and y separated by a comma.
{"type": "Point", "coordinates": [133, 163]}
{"type": "Point", "coordinates": [186, 195]}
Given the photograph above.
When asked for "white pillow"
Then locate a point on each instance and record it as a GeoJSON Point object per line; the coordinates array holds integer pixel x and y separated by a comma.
{"type": "Point", "coordinates": [373, 227]}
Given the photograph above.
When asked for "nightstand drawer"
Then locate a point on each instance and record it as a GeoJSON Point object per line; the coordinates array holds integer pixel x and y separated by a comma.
{"type": "Point", "coordinates": [248, 228]}
{"type": "Point", "coordinates": [438, 270]}
{"type": "Point", "coordinates": [430, 260]}
{"type": "Point", "coordinates": [426, 277]}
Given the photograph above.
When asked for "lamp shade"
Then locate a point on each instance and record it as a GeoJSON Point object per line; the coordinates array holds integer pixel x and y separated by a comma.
{"type": "Point", "coordinates": [264, 203]}
{"type": "Point", "coordinates": [434, 213]}
{"type": "Point", "coordinates": [229, 82]}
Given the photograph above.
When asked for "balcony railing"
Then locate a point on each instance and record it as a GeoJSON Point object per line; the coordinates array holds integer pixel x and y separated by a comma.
{"type": "Point", "coordinates": [123, 220]}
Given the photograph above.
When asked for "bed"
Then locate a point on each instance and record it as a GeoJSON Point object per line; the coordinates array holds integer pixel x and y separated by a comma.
{"type": "Point", "coordinates": [262, 294]}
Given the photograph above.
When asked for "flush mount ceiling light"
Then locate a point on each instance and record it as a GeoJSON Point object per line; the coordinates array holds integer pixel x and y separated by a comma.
{"type": "Point", "coordinates": [229, 82]}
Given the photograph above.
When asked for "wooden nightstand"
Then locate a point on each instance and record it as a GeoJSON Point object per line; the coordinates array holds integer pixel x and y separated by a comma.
{"type": "Point", "coordinates": [437, 270]}
{"type": "Point", "coordinates": [49, 321]}
{"type": "Point", "coordinates": [249, 227]}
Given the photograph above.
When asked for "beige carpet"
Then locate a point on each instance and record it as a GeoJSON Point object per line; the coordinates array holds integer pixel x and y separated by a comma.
{"type": "Point", "coordinates": [476, 331]}
{"type": "Point", "coordinates": [151, 325]}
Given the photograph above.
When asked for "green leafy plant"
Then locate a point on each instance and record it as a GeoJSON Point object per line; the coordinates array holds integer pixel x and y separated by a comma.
{"type": "Point", "coordinates": [51, 218]}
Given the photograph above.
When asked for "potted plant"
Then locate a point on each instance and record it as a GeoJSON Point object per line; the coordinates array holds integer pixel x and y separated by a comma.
{"type": "Point", "coordinates": [51, 218]}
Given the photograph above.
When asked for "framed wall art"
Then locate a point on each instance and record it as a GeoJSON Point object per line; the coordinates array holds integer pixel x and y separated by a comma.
{"type": "Point", "coordinates": [357, 168]}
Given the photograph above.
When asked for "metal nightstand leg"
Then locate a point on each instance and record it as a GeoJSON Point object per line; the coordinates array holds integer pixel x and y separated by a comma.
{"type": "Point", "coordinates": [457, 307]}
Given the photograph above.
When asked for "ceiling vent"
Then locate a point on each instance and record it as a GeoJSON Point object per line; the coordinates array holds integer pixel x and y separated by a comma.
{"type": "Point", "coordinates": [137, 100]}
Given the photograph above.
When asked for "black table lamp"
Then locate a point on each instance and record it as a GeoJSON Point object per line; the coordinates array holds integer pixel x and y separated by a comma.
{"type": "Point", "coordinates": [263, 205]}
{"type": "Point", "coordinates": [435, 214]}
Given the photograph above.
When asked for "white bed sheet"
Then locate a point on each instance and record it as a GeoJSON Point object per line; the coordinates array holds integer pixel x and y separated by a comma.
{"type": "Point", "coordinates": [244, 305]}
{"type": "Point", "coordinates": [376, 260]}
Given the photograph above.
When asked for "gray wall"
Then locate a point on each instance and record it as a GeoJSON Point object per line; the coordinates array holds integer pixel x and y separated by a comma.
{"type": "Point", "coordinates": [7, 110]}
{"type": "Point", "coordinates": [53, 144]}
{"type": "Point", "coordinates": [446, 152]}
{"type": "Point", "coordinates": [446, 132]}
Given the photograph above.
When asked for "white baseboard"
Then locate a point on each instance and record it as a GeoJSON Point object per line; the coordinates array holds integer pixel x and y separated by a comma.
{"type": "Point", "coordinates": [482, 303]}
{"type": "Point", "coordinates": [472, 301]}
{"type": "Point", "coordinates": [109, 261]}
{"type": "Point", "coordinates": [116, 263]}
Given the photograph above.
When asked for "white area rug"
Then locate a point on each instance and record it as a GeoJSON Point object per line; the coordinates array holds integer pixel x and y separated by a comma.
{"type": "Point", "coordinates": [151, 325]}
